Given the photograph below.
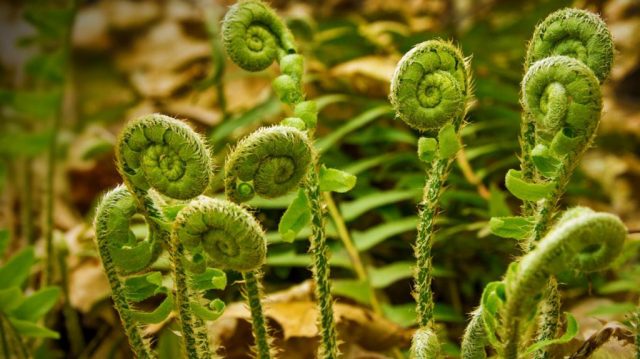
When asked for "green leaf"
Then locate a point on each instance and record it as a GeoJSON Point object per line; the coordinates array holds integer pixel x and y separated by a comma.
{"type": "Point", "coordinates": [141, 287]}
{"type": "Point", "coordinates": [490, 305]}
{"type": "Point", "coordinates": [365, 240]}
{"type": "Point", "coordinates": [353, 289]}
{"type": "Point", "coordinates": [545, 161]}
{"type": "Point", "coordinates": [564, 142]}
{"type": "Point", "coordinates": [23, 143]}
{"type": "Point", "coordinates": [384, 276]}
{"type": "Point", "coordinates": [333, 180]}
{"type": "Point", "coordinates": [36, 305]}
{"type": "Point", "coordinates": [527, 191]}
{"type": "Point", "coordinates": [405, 314]}
{"type": "Point", "coordinates": [133, 259]}
{"type": "Point", "coordinates": [448, 143]}
{"type": "Point", "coordinates": [215, 310]}
{"type": "Point", "coordinates": [4, 237]}
{"type": "Point", "coordinates": [364, 118]}
{"type": "Point", "coordinates": [10, 299]}
{"type": "Point", "coordinates": [211, 278]}
{"type": "Point", "coordinates": [295, 218]}
{"type": "Point", "coordinates": [497, 203]}
{"type": "Point", "coordinates": [512, 227]}
{"type": "Point", "coordinates": [157, 315]}
{"type": "Point", "coordinates": [269, 108]}
{"type": "Point", "coordinates": [28, 329]}
{"type": "Point", "coordinates": [354, 209]}
{"type": "Point", "coordinates": [17, 269]}
{"type": "Point", "coordinates": [427, 148]}
{"type": "Point", "coordinates": [570, 333]}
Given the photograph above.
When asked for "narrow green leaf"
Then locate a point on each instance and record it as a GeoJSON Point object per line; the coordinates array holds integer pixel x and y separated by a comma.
{"type": "Point", "coordinates": [545, 161]}
{"type": "Point", "coordinates": [498, 206]}
{"type": "Point", "coordinates": [526, 191]}
{"type": "Point", "coordinates": [448, 143]}
{"type": "Point", "coordinates": [427, 148]}
{"type": "Point", "coordinates": [333, 180]}
{"type": "Point", "coordinates": [512, 227]}
{"type": "Point", "coordinates": [353, 289]}
{"type": "Point", "coordinates": [157, 315]}
{"type": "Point", "coordinates": [490, 305]}
{"type": "Point", "coordinates": [570, 333]}
{"type": "Point", "coordinates": [211, 278]}
{"type": "Point", "coordinates": [354, 209]}
{"type": "Point", "coordinates": [33, 330]}
{"type": "Point", "coordinates": [295, 218]}
{"type": "Point", "coordinates": [364, 118]}
{"type": "Point", "coordinates": [10, 299]}
{"type": "Point", "coordinates": [4, 235]}
{"type": "Point", "coordinates": [36, 305]}
{"type": "Point", "coordinates": [141, 287]}
{"type": "Point", "coordinates": [17, 269]}
{"type": "Point", "coordinates": [215, 310]}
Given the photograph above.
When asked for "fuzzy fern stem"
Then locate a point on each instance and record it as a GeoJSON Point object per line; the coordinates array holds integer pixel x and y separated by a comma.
{"type": "Point", "coordinates": [258, 321]}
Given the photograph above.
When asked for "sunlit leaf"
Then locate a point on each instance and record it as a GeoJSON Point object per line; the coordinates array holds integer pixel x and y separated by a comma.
{"type": "Point", "coordinates": [335, 180]}
{"type": "Point", "coordinates": [295, 218]}
{"type": "Point", "coordinates": [524, 190]}
{"type": "Point", "coordinates": [16, 270]}
{"type": "Point", "coordinates": [512, 227]}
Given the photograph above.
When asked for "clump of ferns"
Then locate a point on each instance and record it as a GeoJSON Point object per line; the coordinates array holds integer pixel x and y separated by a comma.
{"type": "Point", "coordinates": [160, 157]}
{"type": "Point", "coordinates": [276, 160]}
{"type": "Point", "coordinates": [570, 53]}
{"type": "Point", "coordinates": [431, 92]}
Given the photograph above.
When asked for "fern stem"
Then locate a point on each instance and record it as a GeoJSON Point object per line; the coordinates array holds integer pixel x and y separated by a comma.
{"type": "Point", "coordinates": [424, 240]}
{"type": "Point", "coordinates": [550, 317]}
{"type": "Point", "coordinates": [195, 349]}
{"type": "Point", "coordinates": [258, 321]}
{"type": "Point", "coordinates": [139, 345]}
{"type": "Point", "coordinates": [321, 265]}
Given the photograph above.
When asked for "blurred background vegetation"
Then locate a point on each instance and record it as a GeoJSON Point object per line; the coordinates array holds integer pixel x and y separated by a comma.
{"type": "Point", "coordinates": [73, 72]}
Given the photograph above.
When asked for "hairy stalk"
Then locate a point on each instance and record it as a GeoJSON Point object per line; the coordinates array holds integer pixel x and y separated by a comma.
{"type": "Point", "coordinates": [258, 322]}
{"type": "Point", "coordinates": [112, 230]}
{"type": "Point", "coordinates": [320, 265]}
{"type": "Point", "coordinates": [430, 91]}
{"type": "Point", "coordinates": [584, 36]}
{"type": "Point", "coordinates": [549, 316]}
{"type": "Point", "coordinates": [582, 239]}
{"type": "Point", "coordinates": [424, 241]}
{"type": "Point", "coordinates": [475, 338]}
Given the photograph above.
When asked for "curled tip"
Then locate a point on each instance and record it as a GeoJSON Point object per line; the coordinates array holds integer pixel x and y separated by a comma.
{"type": "Point", "coordinates": [581, 239]}
{"type": "Point", "coordinates": [562, 93]}
{"type": "Point", "coordinates": [254, 36]}
{"type": "Point", "coordinates": [575, 33]}
{"type": "Point", "coordinates": [226, 232]}
{"type": "Point", "coordinates": [160, 152]}
{"type": "Point", "coordinates": [112, 220]}
{"type": "Point", "coordinates": [425, 344]}
{"type": "Point", "coordinates": [272, 161]}
{"type": "Point", "coordinates": [430, 86]}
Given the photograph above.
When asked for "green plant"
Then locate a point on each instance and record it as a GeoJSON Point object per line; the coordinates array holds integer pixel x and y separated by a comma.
{"type": "Point", "coordinates": [254, 38]}
{"type": "Point", "coordinates": [20, 313]}
{"type": "Point", "coordinates": [161, 153]}
{"type": "Point", "coordinates": [581, 239]}
{"type": "Point", "coordinates": [214, 233]}
{"type": "Point", "coordinates": [430, 91]}
{"type": "Point", "coordinates": [571, 51]}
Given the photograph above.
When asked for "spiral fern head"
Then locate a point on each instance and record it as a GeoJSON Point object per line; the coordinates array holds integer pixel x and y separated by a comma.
{"type": "Point", "coordinates": [254, 36]}
{"type": "Point", "coordinates": [112, 222]}
{"type": "Point", "coordinates": [582, 239]}
{"type": "Point", "coordinates": [575, 33]}
{"type": "Point", "coordinates": [430, 86]}
{"type": "Point", "coordinates": [561, 92]}
{"type": "Point", "coordinates": [227, 233]}
{"type": "Point", "coordinates": [270, 162]}
{"type": "Point", "coordinates": [160, 152]}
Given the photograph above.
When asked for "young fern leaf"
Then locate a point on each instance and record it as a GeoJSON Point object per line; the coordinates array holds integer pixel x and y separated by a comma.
{"type": "Point", "coordinates": [430, 90]}
{"type": "Point", "coordinates": [582, 239]}
{"type": "Point", "coordinates": [269, 162]}
{"type": "Point", "coordinates": [209, 232]}
{"type": "Point", "coordinates": [118, 256]}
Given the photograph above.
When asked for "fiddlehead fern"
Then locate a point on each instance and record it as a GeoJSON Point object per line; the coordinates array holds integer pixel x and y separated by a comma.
{"type": "Point", "coordinates": [254, 35]}
{"type": "Point", "coordinates": [576, 33]}
{"type": "Point", "coordinates": [270, 162]}
{"type": "Point", "coordinates": [582, 239]}
{"type": "Point", "coordinates": [430, 90]}
{"type": "Point", "coordinates": [218, 233]}
{"type": "Point", "coordinates": [165, 154]}
{"type": "Point", "coordinates": [430, 86]}
{"type": "Point", "coordinates": [120, 254]}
